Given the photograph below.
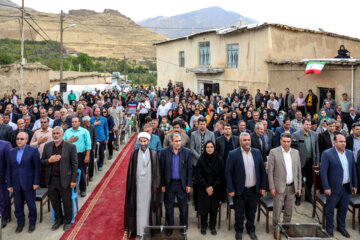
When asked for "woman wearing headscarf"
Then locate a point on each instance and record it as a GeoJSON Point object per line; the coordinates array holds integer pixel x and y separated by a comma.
{"type": "Point", "coordinates": [210, 175]}
{"type": "Point", "coordinates": [234, 119]}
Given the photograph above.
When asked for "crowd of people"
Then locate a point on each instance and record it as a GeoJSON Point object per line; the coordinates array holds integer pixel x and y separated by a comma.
{"type": "Point", "coordinates": [217, 148]}
{"type": "Point", "coordinates": [236, 148]}
{"type": "Point", "coordinates": [45, 141]}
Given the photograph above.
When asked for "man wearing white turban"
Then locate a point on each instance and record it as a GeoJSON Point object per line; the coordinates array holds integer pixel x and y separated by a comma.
{"type": "Point", "coordinates": [143, 192]}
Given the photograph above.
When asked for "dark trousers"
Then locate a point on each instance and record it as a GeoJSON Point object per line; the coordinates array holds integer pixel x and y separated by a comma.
{"type": "Point", "coordinates": [302, 110]}
{"type": "Point", "coordinates": [110, 147]}
{"type": "Point", "coordinates": [175, 189]}
{"type": "Point", "coordinates": [57, 194]}
{"type": "Point", "coordinates": [82, 166]}
{"type": "Point", "coordinates": [19, 198]}
{"type": "Point", "coordinates": [307, 173]}
{"type": "Point", "coordinates": [311, 110]}
{"type": "Point", "coordinates": [341, 202]}
{"type": "Point", "coordinates": [142, 119]}
{"type": "Point", "coordinates": [204, 220]}
{"type": "Point", "coordinates": [91, 164]}
{"type": "Point", "coordinates": [100, 152]}
{"type": "Point", "coordinates": [4, 202]}
{"type": "Point", "coordinates": [246, 204]}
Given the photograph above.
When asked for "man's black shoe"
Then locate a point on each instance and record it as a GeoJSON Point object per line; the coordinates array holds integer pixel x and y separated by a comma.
{"type": "Point", "coordinates": [83, 194]}
{"type": "Point", "coordinates": [67, 226]}
{"type": "Point", "coordinates": [213, 231]}
{"type": "Point", "coordinates": [330, 232]}
{"type": "Point", "coordinates": [4, 223]}
{"type": "Point", "coordinates": [19, 229]}
{"type": "Point", "coordinates": [31, 228]}
{"type": "Point", "coordinates": [253, 236]}
{"type": "Point", "coordinates": [203, 231]}
{"type": "Point", "coordinates": [343, 232]}
{"type": "Point", "coordinates": [238, 236]}
{"type": "Point", "coordinates": [91, 179]}
{"type": "Point", "coordinates": [169, 232]}
{"type": "Point", "coordinates": [56, 225]}
{"type": "Point", "coordinates": [298, 201]}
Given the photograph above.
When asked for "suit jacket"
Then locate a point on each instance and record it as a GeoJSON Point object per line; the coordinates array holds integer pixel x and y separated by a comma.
{"type": "Point", "coordinates": [4, 155]}
{"type": "Point", "coordinates": [349, 121]}
{"type": "Point", "coordinates": [235, 171]}
{"type": "Point", "coordinates": [93, 137]}
{"type": "Point", "coordinates": [279, 131]}
{"type": "Point", "coordinates": [220, 146]}
{"type": "Point", "coordinates": [228, 101]}
{"type": "Point", "coordinates": [332, 173]}
{"type": "Point", "coordinates": [185, 167]}
{"type": "Point", "coordinates": [330, 113]}
{"type": "Point", "coordinates": [298, 142]}
{"type": "Point", "coordinates": [14, 117]}
{"type": "Point", "coordinates": [250, 125]}
{"type": "Point", "coordinates": [195, 143]}
{"type": "Point", "coordinates": [255, 143]}
{"type": "Point", "coordinates": [160, 134]}
{"type": "Point", "coordinates": [277, 169]}
{"type": "Point", "coordinates": [27, 173]}
{"type": "Point", "coordinates": [290, 100]}
{"type": "Point", "coordinates": [68, 163]}
{"type": "Point", "coordinates": [271, 138]}
{"type": "Point", "coordinates": [324, 142]}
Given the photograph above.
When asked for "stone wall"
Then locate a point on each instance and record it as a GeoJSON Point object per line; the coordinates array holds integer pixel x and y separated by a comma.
{"type": "Point", "coordinates": [79, 78]}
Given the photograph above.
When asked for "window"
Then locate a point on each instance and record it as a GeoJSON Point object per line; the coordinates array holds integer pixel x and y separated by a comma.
{"type": "Point", "coordinates": [182, 59]}
{"type": "Point", "coordinates": [204, 54]}
{"type": "Point", "coordinates": [232, 55]}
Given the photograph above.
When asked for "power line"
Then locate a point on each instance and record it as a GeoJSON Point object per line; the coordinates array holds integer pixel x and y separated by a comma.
{"type": "Point", "coordinates": [5, 5]}
{"type": "Point", "coordinates": [38, 25]}
{"type": "Point", "coordinates": [50, 44]}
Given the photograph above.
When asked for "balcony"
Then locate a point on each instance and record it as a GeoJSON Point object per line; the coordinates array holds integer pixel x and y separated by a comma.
{"type": "Point", "coordinates": [206, 70]}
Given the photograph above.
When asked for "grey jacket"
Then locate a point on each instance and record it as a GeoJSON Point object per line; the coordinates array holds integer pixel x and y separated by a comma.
{"type": "Point", "coordinates": [298, 142]}
{"type": "Point", "coordinates": [195, 143]}
{"type": "Point", "coordinates": [92, 132]}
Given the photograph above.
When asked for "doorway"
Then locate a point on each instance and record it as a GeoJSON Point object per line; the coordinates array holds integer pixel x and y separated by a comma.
{"type": "Point", "coordinates": [322, 94]}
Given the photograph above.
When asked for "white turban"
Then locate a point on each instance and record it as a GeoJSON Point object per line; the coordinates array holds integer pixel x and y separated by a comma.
{"type": "Point", "coordinates": [144, 135]}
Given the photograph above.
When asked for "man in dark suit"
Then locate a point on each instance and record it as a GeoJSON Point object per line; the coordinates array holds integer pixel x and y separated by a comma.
{"type": "Point", "coordinates": [246, 178]}
{"type": "Point", "coordinates": [13, 116]}
{"type": "Point", "coordinates": [351, 118]}
{"type": "Point", "coordinates": [156, 131]}
{"type": "Point", "coordinates": [241, 128]}
{"type": "Point", "coordinates": [326, 138]}
{"type": "Point", "coordinates": [176, 178]}
{"type": "Point", "coordinates": [269, 138]}
{"type": "Point", "coordinates": [339, 180]}
{"type": "Point", "coordinates": [257, 139]}
{"type": "Point", "coordinates": [226, 143]}
{"type": "Point", "coordinates": [251, 123]}
{"type": "Point", "coordinates": [61, 163]}
{"type": "Point", "coordinates": [228, 99]}
{"type": "Point", "coordinates": [285, 128]}
{"type": "Point", "coordinates": [23, 178]}
{"type": "Point", "coordinates": [4, 193]}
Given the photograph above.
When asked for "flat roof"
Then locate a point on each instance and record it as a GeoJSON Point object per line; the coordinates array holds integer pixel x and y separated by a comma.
{"type": "Point", "coordinates": [329, 61]}
{"type": "Point", "coordinates": [258, 26]}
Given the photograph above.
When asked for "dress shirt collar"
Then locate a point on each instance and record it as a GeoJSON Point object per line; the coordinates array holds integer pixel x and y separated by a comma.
{"type": "Point", "coordinates": [283, 150]}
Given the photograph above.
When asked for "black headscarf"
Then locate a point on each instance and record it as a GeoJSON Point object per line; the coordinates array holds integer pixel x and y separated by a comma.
{"type": "Point", "coordinates": [210, 163]}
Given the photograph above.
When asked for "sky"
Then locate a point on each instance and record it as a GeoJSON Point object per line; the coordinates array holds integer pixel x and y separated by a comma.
{"type": "Point", "coordinates": [330, 15]}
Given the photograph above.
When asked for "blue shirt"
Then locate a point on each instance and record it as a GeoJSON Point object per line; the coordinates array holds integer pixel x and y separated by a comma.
{"type": "Point", "coordinates": [84, 141]}
{"type": "Point", "coordinates": [19, 154]}
{"type": "Point", "coordinates": [266, 139]}
{"type": "Point", "coordinates": [102, 131]}
{"type": "Point", "coordinates": [175, 166]}
{"type": "Point", "coordinates": [154, 144]}
{"type": "Point", "coordinates": [345, 166]}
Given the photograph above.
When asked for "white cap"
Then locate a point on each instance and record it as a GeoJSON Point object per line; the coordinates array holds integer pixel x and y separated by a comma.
{"type": "Point", "coordinates": [144, 135]}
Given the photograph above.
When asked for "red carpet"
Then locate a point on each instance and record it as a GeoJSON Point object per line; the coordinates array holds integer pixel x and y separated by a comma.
{"type": "Point", "coordinates": [102, 215]}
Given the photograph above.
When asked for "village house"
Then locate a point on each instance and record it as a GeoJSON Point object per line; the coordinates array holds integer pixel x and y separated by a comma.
{"type": "Point", "coordinates": [265, 56]}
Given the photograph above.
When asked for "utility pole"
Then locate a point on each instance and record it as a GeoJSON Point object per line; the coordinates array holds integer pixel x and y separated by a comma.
{"type": "Point", "coordinates": [22, 52]}
{"type": "Point", "coordinates": [61, 44]}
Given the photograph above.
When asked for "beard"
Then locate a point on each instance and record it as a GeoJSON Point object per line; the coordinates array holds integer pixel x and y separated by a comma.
{"type": "Point", "coordinates": [143, 148]}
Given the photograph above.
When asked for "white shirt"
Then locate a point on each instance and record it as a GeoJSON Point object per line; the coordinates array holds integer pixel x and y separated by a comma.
{"type": "Point", "coordinates": [13, 125]}
{"type": "Point", "coordinates": [146, 107]}
{"type": "Point", "coordinates": [276, 104]}
{"type": "Point", "coordinates": [250, 176]}
{"type": "Point", "coordinates": [288, 166]}
{"type": "Point", "coordinates": [162, 111]}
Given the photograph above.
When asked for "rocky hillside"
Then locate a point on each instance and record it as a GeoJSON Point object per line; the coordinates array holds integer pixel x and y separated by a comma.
{"type": "Point", "coordinates": [107, 34]}
{"type": "Point", "coordinates": [200, 20]}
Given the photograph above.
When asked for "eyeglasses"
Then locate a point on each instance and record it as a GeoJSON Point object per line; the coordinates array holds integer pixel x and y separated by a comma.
{"type": "Point", "coordinates": [104, 112]}
{"type": "Point", "coordinates": [22, 139]}
{"type": "Point", "coordinates": [43, 122]}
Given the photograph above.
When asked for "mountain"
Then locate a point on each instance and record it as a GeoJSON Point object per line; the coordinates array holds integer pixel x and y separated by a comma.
{"type": "Point", "coordinates": [11, 5]}
{"type": "Point", "coordinates": [203, 19]}
{"type": "Point", "coordinates": [107, 34]}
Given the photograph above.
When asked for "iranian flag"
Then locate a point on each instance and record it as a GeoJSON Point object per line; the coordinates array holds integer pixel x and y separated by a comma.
{"type": "Point", "coordinates": [314, 67]}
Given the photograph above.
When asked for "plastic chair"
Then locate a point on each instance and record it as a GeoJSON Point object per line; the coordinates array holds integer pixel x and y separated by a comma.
{"type": "Point", "coordinates": [74, 198]}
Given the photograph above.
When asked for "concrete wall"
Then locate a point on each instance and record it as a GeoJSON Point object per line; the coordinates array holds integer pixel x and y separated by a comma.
{"type": "Point", "coordinates": [251, 72]}
{"type": "Point", "coordinates": [36, 78]}
{"type": "Point", "coordinates": [79, 78]}
{"type": "Point", "coordinates": [337, 77]}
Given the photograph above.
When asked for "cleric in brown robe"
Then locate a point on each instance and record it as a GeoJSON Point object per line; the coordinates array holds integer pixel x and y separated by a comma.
{"type": "Point", "coordinates": [143, 189]}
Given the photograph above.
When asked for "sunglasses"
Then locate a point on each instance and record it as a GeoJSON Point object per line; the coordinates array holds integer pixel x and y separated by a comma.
{"type": "Point", "coordinates": [22, 139]}
{"type": "Point", "coordinates": [43, 122]}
